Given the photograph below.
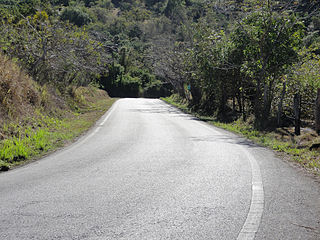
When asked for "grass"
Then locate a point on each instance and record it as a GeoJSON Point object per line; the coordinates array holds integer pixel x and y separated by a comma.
{"type": "Point", "coordinates": [41, 134]}
{"type": "Point", "coordinates": [281, 140]}
{"type": "Point", "coordinates": [178, 102]}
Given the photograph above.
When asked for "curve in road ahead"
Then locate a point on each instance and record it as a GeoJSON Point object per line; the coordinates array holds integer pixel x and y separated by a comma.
{"type": "Point", "coordinates": [148, 171]}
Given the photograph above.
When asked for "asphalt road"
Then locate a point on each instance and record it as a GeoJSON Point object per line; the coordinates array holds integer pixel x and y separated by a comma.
{"type": "Point", "coordinates": [148, 171]}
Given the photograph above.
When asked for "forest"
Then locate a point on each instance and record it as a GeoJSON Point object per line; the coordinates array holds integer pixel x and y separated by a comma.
{"type": "Point", "coordinates": [226, 58]}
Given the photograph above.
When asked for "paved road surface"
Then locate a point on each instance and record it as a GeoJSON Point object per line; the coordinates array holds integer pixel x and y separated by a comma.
{"type": "Point", "coordinates": [147, 171]}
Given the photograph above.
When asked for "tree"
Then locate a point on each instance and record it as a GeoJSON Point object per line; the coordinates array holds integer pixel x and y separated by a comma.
{"type": "Point", "coordinates": [269, 42]}
{"type": "Point", "coordinates": [75, 15]}
{"type": "Point", "coordinates": [175, 10]}
{"type": "Point", "coordinates": [54, 52]}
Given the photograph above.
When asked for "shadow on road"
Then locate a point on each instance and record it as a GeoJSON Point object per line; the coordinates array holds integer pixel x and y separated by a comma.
{"type": "Point", "coordinates": [225, 139]}
{"type": "Point", "coordinates": [164, 110]}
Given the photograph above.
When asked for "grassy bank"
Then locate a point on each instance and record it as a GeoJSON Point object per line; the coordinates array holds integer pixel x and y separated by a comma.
{"type": "Point", "coordinates": [38, 118]}
{"type": "Point", "coordinates": [36, 135]}
{"type": "Point", "coordinates": [299, 149]}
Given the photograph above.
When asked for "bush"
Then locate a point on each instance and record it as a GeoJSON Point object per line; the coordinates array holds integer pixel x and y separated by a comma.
{"type": "Point", "coordinates": [128, 86]}
{"type": "Point", "coordinates": [76, 16]}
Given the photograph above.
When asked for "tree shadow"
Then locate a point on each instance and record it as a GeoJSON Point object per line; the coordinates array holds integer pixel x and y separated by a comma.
{"type": "Point", "coordinates": [217, 138]}
{"type": "Point", "coordinates": [227, 137]}
{"type": "Point", "coordinates": [165, 110]}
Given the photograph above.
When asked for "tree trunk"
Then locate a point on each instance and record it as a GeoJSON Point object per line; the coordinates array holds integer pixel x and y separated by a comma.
{"type": "Point", "coordinates": [281, 104]}
{"type": "Point", "coordinates": [242, 106]}
{"type": "Point", "coordinates": [181, 90]}
{"type": "Point", "coordinates": [296, 108]}
{"type": "Point", "coordinates": [222, 105]}
{"type": "Point", "coordinates": [258, 101]}
{"type": "Point", "coordinates": [258, 104]}
{"type": "Point", "coordinates": [238, 97]}
{"type": "Point", "coordinates": [317, 112]}
{"type": "Point", "coordinates": [244, 114]}
{"type": "Point", "coordinates": [233, 103]}
{"type": "Point", "coordinates": [267, 100]}
{"type": "Point", "coordinates": [195, 93]}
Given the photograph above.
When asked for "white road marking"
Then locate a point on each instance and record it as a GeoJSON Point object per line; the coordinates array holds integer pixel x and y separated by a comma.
{"type": "Point", "coordinates": [252, 223]}
{"type": "Point", "coordinates": [101, 124]}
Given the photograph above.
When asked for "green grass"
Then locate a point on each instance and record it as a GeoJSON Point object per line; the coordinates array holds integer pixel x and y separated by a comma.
{"type": "Point", "coordinates": [182, 104]}
{"type": "Point", "coordinates": [178, 102]}
{"type": "Point", "coordinates": [42, 134]}
{"type": "Point", "coordinates": [302, 155]}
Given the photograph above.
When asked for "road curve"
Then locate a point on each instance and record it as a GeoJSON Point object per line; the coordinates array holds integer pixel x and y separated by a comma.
{"type": "Point", "coordinates": [148, 171]}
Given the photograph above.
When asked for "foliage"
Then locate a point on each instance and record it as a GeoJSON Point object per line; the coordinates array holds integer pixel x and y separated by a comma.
{"type": "Point", "coordinates": [53, 51]}
{"type": "Point", "coordinates": [269, 42]}
{"type": "Point", "coordinates": [75, 15]}
{"type": "Point", "coordinates": [243, 63]}
{"type": "Point", "coordinates": [19, 8]}
{"type": "Point", "coordinates": [305, 80]}
{"type": "Point", "coordinates": [226, 58]}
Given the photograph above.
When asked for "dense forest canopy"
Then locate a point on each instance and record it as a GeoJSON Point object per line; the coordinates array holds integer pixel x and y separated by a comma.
{"type": "Point", "coordinates": [231, 58]}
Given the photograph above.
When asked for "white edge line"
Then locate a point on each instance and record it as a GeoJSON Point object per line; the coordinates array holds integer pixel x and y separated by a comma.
{"type": "Point", "coordinates": [252, 223]}
{"type": "Point", "coordinates": [99, 125]}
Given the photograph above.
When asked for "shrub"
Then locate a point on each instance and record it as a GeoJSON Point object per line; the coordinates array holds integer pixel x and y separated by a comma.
{"type": "Point", "coordinates": [76, 16]}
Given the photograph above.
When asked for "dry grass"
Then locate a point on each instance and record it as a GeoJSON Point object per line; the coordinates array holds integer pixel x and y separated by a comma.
{"type": "Point", "coordinates": [19, 94]}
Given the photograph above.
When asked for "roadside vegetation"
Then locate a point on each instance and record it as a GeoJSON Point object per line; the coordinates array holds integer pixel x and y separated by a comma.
{"type": "Point", "coordinates": [41, 134]}
{"type": "Point", "coordinates": [75, 42]}
{"type": "Point", "coordinates": [252, 67]}
{"type": "Point", "coordinates": [37, 119]}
